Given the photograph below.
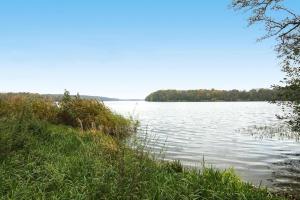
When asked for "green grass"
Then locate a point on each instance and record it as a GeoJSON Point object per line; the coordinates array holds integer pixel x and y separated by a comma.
{"type": "Point", "coordinates": [39, 160]}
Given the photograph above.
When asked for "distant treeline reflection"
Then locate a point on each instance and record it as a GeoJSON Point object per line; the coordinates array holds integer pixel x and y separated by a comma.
{"type": "Point", "coordinates": [214, 95]}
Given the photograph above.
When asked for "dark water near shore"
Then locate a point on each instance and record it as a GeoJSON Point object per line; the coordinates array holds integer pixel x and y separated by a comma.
{"type": "Point", "coordinates": [243, 135]}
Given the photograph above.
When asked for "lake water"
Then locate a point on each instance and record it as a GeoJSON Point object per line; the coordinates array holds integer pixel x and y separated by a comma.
{"type": "Point", "coordinates": [225, 134]}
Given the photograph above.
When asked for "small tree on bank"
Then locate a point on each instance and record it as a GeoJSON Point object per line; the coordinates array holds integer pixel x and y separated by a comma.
{"type": "Point", "coordinates": [283, 24]}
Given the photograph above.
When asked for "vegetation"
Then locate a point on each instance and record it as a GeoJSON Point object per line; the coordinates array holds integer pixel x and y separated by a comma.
{"type": "Point", "coordinates": [86, 114]}
{"type": "Point", "coordinates": [46, 154]}
{"type": "Point", "coordinates": [59, 97]}
{"type": "Point", "coordinates": [283, 24]}
{"type": "Point", "coordinates": [212, 95]}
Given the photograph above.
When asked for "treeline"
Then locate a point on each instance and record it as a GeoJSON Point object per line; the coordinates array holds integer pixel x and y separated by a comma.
{"type": "Point", "coordinates": [59, 97]}
{"type": "Point", "coordinates": [213, 95]}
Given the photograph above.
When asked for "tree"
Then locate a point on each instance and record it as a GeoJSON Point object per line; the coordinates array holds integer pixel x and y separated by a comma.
{"type": "Point", "coordinates": [213, 95]}
{"type": "Point", "coordinates": [283, 24]}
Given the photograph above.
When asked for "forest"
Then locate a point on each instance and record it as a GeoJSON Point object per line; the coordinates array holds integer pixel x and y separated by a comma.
{"type": "Point", "coordinates": [214, 95]}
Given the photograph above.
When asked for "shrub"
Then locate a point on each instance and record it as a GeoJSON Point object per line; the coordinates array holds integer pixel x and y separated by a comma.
{"type": "Point", "coordinates": [90, 114]}
{"type": "Point", "coordinates": [28, 106]}
{"type": "Point", "coordinates": [86, 114]}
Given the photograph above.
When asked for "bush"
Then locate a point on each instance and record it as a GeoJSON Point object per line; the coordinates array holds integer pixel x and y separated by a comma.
{"type": "Point", "coordinates": [86, 114]}
{"type": "Point", "coordinates": [28, 106]}
{"type": "Point", "coordinates": [89, 114]}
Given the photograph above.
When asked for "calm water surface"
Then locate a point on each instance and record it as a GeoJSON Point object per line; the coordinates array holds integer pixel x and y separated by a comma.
{"type": "Point", "coordinates": [225, 134]}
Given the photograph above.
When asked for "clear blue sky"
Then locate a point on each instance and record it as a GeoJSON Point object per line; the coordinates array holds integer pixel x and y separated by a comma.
{"type": "Point", "coordinates": [130, 48]}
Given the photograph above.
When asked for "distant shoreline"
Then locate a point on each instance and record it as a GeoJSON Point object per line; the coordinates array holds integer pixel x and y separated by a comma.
{"type": "Point", "coordinates": [58, 97]}
{"type": "Point", "coordinates": [212, 95]}
{"type": "Point", "coordinates": [204, 101]}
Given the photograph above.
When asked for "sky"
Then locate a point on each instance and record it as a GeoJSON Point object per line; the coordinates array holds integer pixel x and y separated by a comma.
{"type": "Point", "coordinates": [127, 49]}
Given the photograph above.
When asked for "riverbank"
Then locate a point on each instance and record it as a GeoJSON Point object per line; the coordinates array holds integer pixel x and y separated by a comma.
{"type": "Point", "coordinates": [43, 158]}
{"type": "Point", "coordinates": [60, 162]}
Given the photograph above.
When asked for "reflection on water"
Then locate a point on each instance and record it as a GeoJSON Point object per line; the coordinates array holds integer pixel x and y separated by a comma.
{"type": "Point", "coordinates": [226, 134]}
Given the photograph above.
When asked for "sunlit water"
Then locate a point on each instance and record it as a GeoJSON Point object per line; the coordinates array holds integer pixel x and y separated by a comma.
{"type": "Point", "coordinates": [224, 134]}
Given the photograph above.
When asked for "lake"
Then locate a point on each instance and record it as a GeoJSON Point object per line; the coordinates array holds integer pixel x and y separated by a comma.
{"type": "Point", "coordinates": [245, 136]}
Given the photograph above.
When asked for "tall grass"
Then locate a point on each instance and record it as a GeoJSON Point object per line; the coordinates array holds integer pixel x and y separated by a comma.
{"type": "Point", "coordinates": [41, 159]}
{"type": "Point", "coordinates": [86, 114]}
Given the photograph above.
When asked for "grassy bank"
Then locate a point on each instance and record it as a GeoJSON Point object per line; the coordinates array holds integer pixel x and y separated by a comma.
{"type": "Point", "coordinates": [49, 158]}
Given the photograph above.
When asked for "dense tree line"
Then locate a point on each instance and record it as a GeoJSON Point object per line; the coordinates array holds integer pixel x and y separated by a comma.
{"type": "Point", "coordinates": [213, 95]}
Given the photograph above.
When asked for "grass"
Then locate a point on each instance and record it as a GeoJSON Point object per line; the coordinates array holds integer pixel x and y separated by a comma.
{"type": "Point", "coordinates": [45, 160]}
{"type": "Point", "coordinates": [59, 162]}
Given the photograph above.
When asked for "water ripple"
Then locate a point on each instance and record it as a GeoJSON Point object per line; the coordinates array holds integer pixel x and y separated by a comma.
{"type": "Point", "coordinates": [243, 135]}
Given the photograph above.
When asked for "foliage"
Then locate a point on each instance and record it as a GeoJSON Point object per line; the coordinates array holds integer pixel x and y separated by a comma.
{"type": "Point", "coordinates": [58, 162]}
{"type": "Point", "coordinates": [28, 106]}
{"type": "Point", "coordinates": [213, 95]}
{"type": "Point", "coordinates": [59, 97]}
{"type": "Point", "coordinates": [282, 23]}
{"type": "Point", "coordinates": [86, 114]}
{"type": "Point", "coordinates": [90, 114]}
